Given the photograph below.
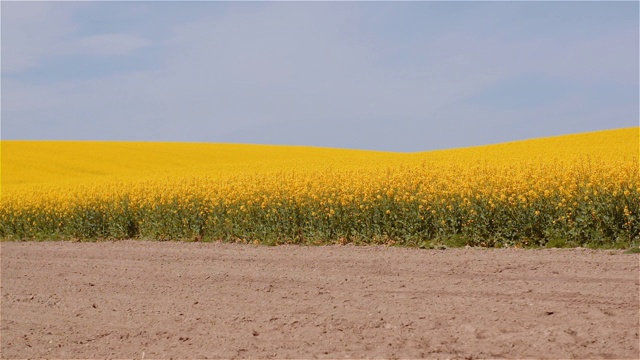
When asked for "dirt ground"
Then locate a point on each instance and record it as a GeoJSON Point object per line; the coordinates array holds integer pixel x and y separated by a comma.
{"type": "Point", "coordinates": [133, 299]}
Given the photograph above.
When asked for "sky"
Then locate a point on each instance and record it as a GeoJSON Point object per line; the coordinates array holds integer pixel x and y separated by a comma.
{"type": "Point", "coordinates": [390, 76]}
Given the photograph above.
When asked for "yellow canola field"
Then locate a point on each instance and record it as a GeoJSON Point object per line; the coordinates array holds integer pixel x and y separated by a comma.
{"type": "Point", "coordinates": [580, 188]}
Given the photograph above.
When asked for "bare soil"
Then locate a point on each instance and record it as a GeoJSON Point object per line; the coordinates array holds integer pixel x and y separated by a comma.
{"type": "Point", "coordinates": [137, 299]}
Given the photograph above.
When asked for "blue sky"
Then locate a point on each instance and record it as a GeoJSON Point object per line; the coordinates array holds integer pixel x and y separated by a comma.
{"type": "Point", "coordinates": [406, 76]}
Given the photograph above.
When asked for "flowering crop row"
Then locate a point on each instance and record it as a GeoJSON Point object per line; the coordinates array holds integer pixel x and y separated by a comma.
{"type": "Point", "coordinates": [581, 189]}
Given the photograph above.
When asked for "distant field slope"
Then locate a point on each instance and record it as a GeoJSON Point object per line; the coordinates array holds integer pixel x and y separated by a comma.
{"type": "Point", "coordinates": [574, 189]}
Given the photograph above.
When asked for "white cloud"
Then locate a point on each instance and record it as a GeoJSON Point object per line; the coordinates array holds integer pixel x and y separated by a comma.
{"type": "Point", "coordinates": [107, 44]}
{"type": "Point", "coordinates": [40, 30]}
{"type": "Point", "coordinates": [279, 67]}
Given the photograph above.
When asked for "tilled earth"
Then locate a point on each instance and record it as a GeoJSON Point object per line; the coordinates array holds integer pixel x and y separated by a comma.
{"type": "Point", "coordinates": [139, 299]}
